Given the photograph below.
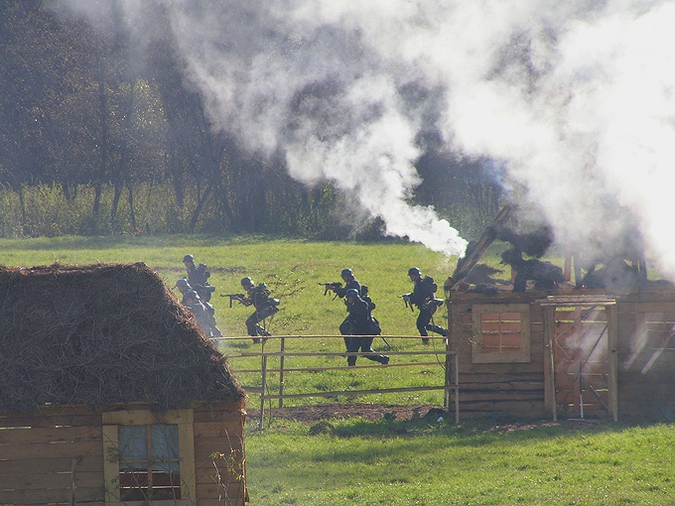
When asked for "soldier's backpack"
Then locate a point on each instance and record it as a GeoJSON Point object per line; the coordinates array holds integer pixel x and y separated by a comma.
{"type": "Point", "coordinates": [204, 271]}
{"type": "Point", "coordinates": [264, 293]}
{"type": "Point", "coordinates": [364, 295]}
{"type": "Point", "coordinates": [429, 281]}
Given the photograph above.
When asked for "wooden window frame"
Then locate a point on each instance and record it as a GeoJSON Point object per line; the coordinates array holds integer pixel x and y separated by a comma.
{"type": "Point", "coordinates": [182, 418]}
{"type": "Point", "coordinates": [523, 356]}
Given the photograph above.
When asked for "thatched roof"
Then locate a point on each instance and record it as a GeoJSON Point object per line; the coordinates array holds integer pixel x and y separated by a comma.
{"type": "Point", "coordinates": [99, 335]}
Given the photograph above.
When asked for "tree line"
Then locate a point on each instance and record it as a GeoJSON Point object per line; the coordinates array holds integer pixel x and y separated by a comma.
{"type": "Point", "coordinates": [97, 140]}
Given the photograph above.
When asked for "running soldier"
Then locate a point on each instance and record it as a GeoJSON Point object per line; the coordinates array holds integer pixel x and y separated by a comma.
{"type": "Point", "coordinates": [265, 306]}
{"type": "Point", "coordinates": [423, 297]}
{"type": "Point", "coordinates": [360, 322]}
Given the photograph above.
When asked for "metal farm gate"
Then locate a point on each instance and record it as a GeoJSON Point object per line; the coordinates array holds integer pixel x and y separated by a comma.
{"type": "Point", "coordinates": [580, 337]}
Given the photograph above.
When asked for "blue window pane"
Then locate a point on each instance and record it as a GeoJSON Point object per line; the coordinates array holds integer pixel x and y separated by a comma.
{"type": "Point", "coordinates": [133, 445]}
{"type": "Point", "coordinates": [165, 448]}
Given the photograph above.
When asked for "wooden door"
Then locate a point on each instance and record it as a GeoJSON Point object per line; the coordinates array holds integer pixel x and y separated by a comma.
{"type": "Point", "coordinates": [581, 364]}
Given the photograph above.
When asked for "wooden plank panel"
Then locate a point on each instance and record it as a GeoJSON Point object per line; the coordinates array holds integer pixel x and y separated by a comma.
{"type": "Point", "coordinates": [92, 420]}
{"type": "Point", "coordinates": [205, 474]}
{"type": "Point", "coordinates": [218, 429]}
{"type": "Point", "coordinates": [219, 416]}
{"type": "Point", "coordinates": [499, 387]}
{"type": "Point", "coordinates": [187, 456]}
{"type": "Point", "coordinates": [505, 375]}
{"type": "Point", "coordinates": [49, 434]}
{"type": "Point", "coordinates": [477, 395]}
{"type": "Point", "coordinates": [521, 410]}
{"type": "Point", "coordinates": [511, 341]}
{"type": "Point", "coordinates": [490, 327]}
{"type": "Point", "coordinates": [660, 306]}
{"type": "Point", "coordinates": [56, 481]}
{"type": "Point", "coordinates": [93, 463]}
{"type": "Point", "coordinates": [42, 497]}
{"type": "Point", "coordinates": [48, 450]}
{"type": "Point", "coordinates": [207, 446]}
{"type": "Point", "coordinates": [236, 492]}
{"type": "Point", "coordinates": [145, 417]}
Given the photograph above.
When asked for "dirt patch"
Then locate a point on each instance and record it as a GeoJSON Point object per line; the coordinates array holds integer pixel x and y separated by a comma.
{"type": "Point", "coordinates": [372, 412]}
{"type": "Point", "coordinates": [321, 414]}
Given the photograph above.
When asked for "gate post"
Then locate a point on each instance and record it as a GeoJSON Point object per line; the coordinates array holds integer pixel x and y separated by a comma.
{"type": "Point", "coordinates": [549, 362]}
{"type": "Point", "coordinates": [612, 344]}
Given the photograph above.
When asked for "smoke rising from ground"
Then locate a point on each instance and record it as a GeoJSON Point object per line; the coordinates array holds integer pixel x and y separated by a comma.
{"type": "Point", "coordinates": [575, 100]}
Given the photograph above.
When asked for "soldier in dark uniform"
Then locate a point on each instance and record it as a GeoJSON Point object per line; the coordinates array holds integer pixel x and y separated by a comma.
{"type": "Point", "coordinates": [360, 323]}
{"type": "Point", "coordinates": [198, 276]}
{"type": "Point", "coordinates": [258, 297]}
{"type": "Point", "coordinates": [183, 287]}
{"type": "Point", "coordinates": [203, 317]}
{"type": "Point", "coordinates": [423, 297]}
{"type": "Point", "coordinates": [351, 283]}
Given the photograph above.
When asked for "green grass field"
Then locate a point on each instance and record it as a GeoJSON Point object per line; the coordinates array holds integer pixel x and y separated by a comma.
{"type": "Point", "coordinates": [391, 463]}
{"type": "Point", "coordinates": [388, 462]}
{"type": "Point", "coordinates": [293, 269]}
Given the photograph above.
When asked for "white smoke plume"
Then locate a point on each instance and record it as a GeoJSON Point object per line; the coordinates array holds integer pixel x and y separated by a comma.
{"type": "Point", "coordinates": [575, 99]}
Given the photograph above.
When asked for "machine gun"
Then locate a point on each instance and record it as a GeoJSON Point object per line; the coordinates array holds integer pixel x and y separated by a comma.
{"type": "Point", "coordinates": [329, 286]}
{"type": "Point", "coordinates": [406, 299]}
{"type": "Point", "coordinates": [234, 296]}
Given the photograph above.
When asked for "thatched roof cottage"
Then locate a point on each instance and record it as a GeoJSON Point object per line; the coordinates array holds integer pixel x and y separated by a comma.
{"type": "Point", "coordinates": [110, 393]}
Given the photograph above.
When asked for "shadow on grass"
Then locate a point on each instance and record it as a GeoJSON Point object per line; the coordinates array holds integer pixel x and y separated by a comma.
{"type": "Point", "coordinates": [473, 433]}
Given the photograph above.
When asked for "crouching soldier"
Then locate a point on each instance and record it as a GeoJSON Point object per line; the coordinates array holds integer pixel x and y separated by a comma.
{"type": "Point", "coordinates": [265, 306]}
{"type": "Point", "coordinates": [360, 322]}
{"type": "Point", "coordinates": [203, 316]}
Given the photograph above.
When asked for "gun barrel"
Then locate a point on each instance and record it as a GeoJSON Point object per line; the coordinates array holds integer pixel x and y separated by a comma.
{"type": "Point", "coordinates": [233, 296]}
{"type": "Point", "coordinates": [329, 286]}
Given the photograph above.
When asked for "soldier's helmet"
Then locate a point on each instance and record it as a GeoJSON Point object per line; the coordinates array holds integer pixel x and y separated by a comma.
{"type": "Point", "coordinates": [189, 258]}
{"type": "Point", "coordinates": [347, 272]}
{"type": "Point", "coordinates": [413, 271]}
{"type": "Point", "coordinates": [182, 284]}
{"type": "Point", "coordinates": [246, 282]}
{"type": "Point", "coordinates": [352, 293]}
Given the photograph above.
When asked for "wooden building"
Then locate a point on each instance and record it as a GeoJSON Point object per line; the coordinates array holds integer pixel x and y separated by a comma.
{"type": "Point", "coordinates": [566, 353]}
{"type": "Point", "coordinates": [110, 394]}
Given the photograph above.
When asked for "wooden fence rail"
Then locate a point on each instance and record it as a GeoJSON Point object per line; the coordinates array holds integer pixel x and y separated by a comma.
{"type": "Point", "coordinates": [450, 385]}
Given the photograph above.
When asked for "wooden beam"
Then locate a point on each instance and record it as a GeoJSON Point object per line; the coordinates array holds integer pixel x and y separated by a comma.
{"type": "Point", "coordinates": [466, 264]}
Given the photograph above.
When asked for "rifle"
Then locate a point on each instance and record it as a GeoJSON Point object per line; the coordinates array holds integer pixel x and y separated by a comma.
{"type": "Point", "coordinates": [406, 299]}
{"type": "Point", "coordinates": [330, 286]}
{"type": "Point", "coordinates": [234, 296]}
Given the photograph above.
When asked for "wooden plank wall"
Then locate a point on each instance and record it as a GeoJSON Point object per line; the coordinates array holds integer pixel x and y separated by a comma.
{"type": "Point", "coordinates": [52, 458]}
{"type": "Point", "coordinates": [498, 389]}
{"type": "Point", "coordinates": [646, 374]}
{"type": "Point", "coordinates": [219, 429]}
{"type": "Point", "coordinates": [647, 355]}
{"type": "Point", "coordinates": [41, 457]}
